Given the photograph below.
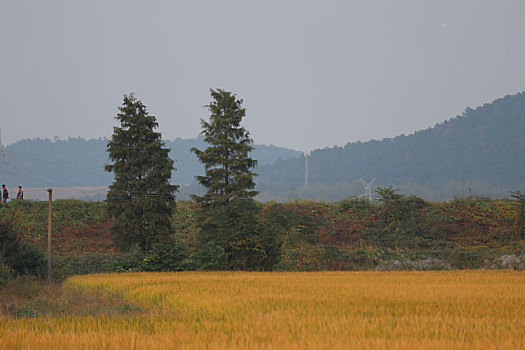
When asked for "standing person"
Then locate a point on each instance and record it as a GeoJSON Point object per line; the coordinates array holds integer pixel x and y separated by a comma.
{"type": "Point", "coordinates": [5, 194]}
{"type": "Point", "coordinates": [20, 193]}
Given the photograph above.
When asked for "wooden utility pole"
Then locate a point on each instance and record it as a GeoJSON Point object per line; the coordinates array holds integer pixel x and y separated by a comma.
{"type": "Point", "coordinates": [49, 268]}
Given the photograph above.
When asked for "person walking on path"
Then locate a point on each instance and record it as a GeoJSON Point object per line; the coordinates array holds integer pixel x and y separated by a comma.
{"type": "Point", "coordinates": [5, 194]}
{"type": "Point", "coordinates": [20, 193]}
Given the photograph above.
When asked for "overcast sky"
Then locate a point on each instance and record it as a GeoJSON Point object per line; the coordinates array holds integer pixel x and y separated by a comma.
{"type": "Point", "coordinates": [312, 74]}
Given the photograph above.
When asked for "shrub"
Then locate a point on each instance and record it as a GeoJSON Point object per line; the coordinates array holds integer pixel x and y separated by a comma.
{"type": "Point", "coordinates": [23, 258]}
{"type": "Point", "coordinates": [65, 266]}
{"type": "Point", "coordinates": [167, 256]}
{"type": "Point", "coordinates": [9, 242]}
{"type": "Point", "coordinates": [210, 256]}
{"type": "Point", "coordinates": [6, 274]}
{"type": "Point", "coordinates": [29, 260]}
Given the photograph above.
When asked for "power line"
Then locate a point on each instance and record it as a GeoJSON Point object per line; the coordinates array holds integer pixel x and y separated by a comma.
{"type": "Point", "coordinates": [49, 177]}
{"type": "Point", "coordinates": [53, 163]}
{"type": "Point", "coordinates": [76, 184]}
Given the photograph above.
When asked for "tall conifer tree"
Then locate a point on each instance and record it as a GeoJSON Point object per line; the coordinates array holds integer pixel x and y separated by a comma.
{"type": "Point", "coordinates": [141, 199]}
{"type": "Point", "coordinates": [228, 225]}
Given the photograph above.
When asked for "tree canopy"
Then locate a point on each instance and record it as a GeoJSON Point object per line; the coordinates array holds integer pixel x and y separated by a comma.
{"type": "Point", "coordinates": [229, 237]}
{"type": "Point", "coordinates": [226, 159]}
{"type": "Point", "coordinates": [141, 198]}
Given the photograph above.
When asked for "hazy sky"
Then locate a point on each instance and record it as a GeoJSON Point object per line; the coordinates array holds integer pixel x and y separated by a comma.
{"type": "Point", "coordinates": [312, 74]}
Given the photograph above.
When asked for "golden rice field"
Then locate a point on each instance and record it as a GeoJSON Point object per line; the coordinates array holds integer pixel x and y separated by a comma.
{"type": "Point", "coordinates": [331, 310]}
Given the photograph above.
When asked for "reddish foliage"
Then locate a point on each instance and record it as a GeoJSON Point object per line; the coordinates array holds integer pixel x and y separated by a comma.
{"type": "Point", "coordinates": [93, 238]}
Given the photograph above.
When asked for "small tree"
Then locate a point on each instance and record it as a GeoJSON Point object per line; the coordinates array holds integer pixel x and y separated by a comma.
{"type": "Point", "coordinates": [400, 223]}
{"type": "Point", "coordinates": [17, 256]}
{"type": "Point", "coordinates": [141, 199]}
{"type": "Point", "coordinates": [9, 242]}
{"type": "Point", "coordinates": [228, 235]}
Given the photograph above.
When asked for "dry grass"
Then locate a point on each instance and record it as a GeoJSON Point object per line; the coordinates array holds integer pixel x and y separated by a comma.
{"type": "Point", "coordinates": [29, 297]}
{"type": "Point", "coordinates": [384, 310]}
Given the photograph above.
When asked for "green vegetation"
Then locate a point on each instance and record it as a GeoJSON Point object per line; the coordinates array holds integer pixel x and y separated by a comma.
{"type": "Point", "coordinates": [141, 198]}
{"type": "Point", "coordinates": [229, 237]}
{"type": "Point", "coordinates": [16, 256]}
{"type": "Point", "coordinates": [406, 233]}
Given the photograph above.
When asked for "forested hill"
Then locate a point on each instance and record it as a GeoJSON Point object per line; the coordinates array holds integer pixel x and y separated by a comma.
{"type": "Point", "coordinates": [483, 149]}
{"type": "Point", "coordinates": [486, 144]}
{"type": "Point", "coordinates": [80, 162]}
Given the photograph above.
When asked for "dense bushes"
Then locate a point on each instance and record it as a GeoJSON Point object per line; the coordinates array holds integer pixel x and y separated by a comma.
{"type": "Point", "coordinates": [18, 257]}
{"type": "Point", "coordinates": [32, 215]}
{"type": "Point", "coordinates": [6, 274]}
{"type": "Point", "coordinates": [399, 233]}
{"type": "Point", "coordinates": [29, 260]}
{"type": "Point", "coordinates": [97, 263]}
{"type": "Point", "coordinates": [170, 255]}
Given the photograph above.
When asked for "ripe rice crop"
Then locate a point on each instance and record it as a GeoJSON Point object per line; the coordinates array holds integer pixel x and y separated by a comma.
{"type": "Point", "coordinates": [383, 310]}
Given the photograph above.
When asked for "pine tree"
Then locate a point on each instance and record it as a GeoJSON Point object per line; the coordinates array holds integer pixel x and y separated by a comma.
{"type": "Point", "coordinates": [228, 236]}
{"type": "Point", "coordinates": [141, 199]}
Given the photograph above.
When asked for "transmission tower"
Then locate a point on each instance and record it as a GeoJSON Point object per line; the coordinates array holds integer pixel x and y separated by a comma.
{"type": "Point", "coordinates": [368, 190]}
{"type": "Point", "coordinates": [306, 155]}
{"type": "Point", "coordinates": [7, 162]}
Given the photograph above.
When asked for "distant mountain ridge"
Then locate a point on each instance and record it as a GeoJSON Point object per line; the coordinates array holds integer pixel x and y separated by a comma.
{"type": "Point", "coordinates": [484, 144]}
{"type": "Point", "coordinates": [484, 148]}
{"type": "Point", "coordinates": [79, 162]}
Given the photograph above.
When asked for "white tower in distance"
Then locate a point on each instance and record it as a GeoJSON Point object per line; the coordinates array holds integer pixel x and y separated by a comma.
{"type": "Point", "coordinates": [306, 155]}
{"type": "Point", "coordinates": [368, 190]}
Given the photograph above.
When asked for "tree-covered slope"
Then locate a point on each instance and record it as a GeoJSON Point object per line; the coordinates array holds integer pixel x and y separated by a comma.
{"type": "Point", "coordinates": [484, 144]}
{"type": "Point", "coordinates": [80, 162]}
